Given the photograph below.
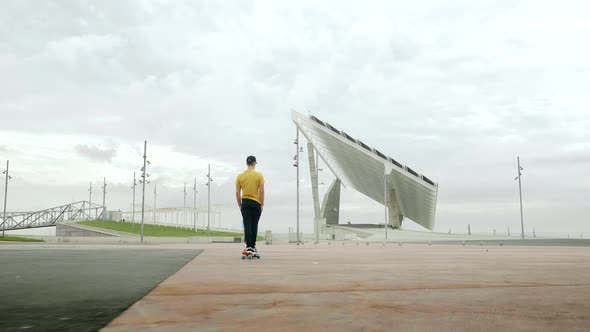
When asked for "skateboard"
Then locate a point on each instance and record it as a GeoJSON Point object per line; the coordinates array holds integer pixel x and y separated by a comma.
{"type": "Point", "coordinates": [250, 255]}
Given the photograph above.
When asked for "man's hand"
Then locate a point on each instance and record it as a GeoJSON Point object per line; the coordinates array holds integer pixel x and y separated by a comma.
{"type": "Point", "coordinates": [261, 196]}
{"type": "Point", "coordinates": [239, 195]}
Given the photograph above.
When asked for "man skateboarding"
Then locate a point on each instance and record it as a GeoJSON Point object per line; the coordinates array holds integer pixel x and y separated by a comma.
{"type": "Point", "coordinates": [250, 198]}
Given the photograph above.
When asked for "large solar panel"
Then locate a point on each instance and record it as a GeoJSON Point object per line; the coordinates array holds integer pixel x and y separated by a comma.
{"type": "Point", "coordinates": [365, 145]}
{"type": "Point", "coordinates": [427, 180]}
{"type": "Point", "coordinates": [381, 154]}
{"type": "Point", "coordinates": [333, 129]}
{"type": "Point", "coordinates": [361, 143]}
{"type": "Point", "coordinates": [411, 171]}
{"type": "Point", "coordinates": [349, 137]}
{"type": "Point", "coordinates": [362, 168]}
{"type": "Point", "coordinates": [318, 120]}
{"type": "Point", "coordinates": [393, 161]}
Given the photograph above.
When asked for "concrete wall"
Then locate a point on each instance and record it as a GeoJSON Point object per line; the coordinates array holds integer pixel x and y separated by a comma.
{"type": "Point", "coordinates": [134, 239]}
{"type": "Point", "coordinates": [39, 231]}
{"type": "Point", "coordinates": [67, 230]}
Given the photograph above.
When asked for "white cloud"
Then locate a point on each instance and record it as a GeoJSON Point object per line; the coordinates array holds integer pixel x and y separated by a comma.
{"type": "Point", "coordinates": [71, 48]}
{"type": "Point", "coordinates": [453, 89]}
{"type": "Point", "coordinates": [79, 159]}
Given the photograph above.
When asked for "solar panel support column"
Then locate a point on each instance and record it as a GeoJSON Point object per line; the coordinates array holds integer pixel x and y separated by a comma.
{"type": "Point", "coordinates": [395, 214]}
{"type": "Point", "coordinates": [314, 190]}
{"type": "Point", "coordinates": [331, 205]}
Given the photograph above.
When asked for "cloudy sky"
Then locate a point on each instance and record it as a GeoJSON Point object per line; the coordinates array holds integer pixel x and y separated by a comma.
{"type": "Point", "coordinates": [454, 89]}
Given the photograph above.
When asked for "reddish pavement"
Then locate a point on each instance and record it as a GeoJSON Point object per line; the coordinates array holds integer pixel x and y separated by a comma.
{"type": "Point", "coordinates": [371, 288]}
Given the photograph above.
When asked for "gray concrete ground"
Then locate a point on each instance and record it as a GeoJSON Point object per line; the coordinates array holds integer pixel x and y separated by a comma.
{"type": "Point", "coordinates": [372, 288]}
{"type": "Point", "coordinates": [78, 288]}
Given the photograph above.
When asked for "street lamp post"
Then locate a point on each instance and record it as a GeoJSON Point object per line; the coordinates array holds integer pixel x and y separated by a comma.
{"type": "Point", "coordinates": [209, 180]}
{"type": "Point", "coordinates": [133, 207]}
{"type": "Point", "coordinates": [385, 201]}
{"type": "Point", "coordinates": [195, 205]}
{"type": "Point", "coordinates": [104, 195]}
{"type": "Point", "coordinates": [90, 201]}
{"type": "Point", "coordinates": [144, 177]}
{"type": "Point", "coordinates": [7, 177]}
{"type": "Point", "coordinates": [155, 196]}
{"type": "Point", "coordinates": [296, 164]}
{"type": "Point", "coordinates": [184, 221]}
{"type": "Point", "coordinates": [317, 217]}
{"type": "Point", "coordinates": [520, 169]}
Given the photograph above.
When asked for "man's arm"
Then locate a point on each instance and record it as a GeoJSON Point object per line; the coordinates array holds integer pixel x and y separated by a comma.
{"type": "Point", "coordinates": [239, 195]}
{"type": "Point", "coordinates": [261, 194]}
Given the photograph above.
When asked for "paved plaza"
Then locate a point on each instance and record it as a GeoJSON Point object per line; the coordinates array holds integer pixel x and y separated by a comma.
{"type": "Point", "coordinates": [372, 288]}
{"type": "Point", "coordinates": [326, 287]}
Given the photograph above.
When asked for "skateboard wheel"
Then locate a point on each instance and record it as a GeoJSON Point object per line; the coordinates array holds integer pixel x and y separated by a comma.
{"type": "Point", "coordinates": [243, 257]}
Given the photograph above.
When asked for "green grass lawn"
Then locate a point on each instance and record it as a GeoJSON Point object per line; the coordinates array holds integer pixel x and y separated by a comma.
{"type": "Point", "coordinates": [156, 230]}
{"type": "Point", "coordinates": [19, 239]}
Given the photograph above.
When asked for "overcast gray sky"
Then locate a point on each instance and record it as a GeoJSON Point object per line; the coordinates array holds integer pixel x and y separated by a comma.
{"type": "Point", "coordinates": [454, 89]}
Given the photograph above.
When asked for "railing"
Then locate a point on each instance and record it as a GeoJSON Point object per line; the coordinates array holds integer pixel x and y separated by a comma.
{"type": "Point", "coordinates": [82, 210]}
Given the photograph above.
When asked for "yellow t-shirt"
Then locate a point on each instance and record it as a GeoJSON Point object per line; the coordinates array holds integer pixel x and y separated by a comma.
{"type": "Point", "coordinates": [250, 181]}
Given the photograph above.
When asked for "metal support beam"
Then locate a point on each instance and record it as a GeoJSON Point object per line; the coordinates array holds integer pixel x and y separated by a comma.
{"type": "Point", "coordinates": [313, 171]}
{"type": "Point", "coordinates": [7, 177]}
{"type": "Point", "coordinates": [297, 166]}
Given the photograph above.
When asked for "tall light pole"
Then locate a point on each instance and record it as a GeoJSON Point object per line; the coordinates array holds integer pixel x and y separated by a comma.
{"type": "Point", "coordinates": [195, 204]}
{"type": "Point", "coordinates": [184, 205]}
{"type": "Point", "coordinates": [317, 174]}
{"type": "Point", "coordinates": [104, 195]}
{"type": "Point", "coordinates": [520, 169]}
{"type": "Point", "coordinates": [7, 177]}
{"type": "Point", "coordinates": [296, 164]}
{"type": "Point", "coordinates": [133, 207]}
{"type": "Point", "coordinates": [144, 177]}
{"type": "Point", "coordinates": [90, 201]}
{"type": "Point", "coordinates": [385, 201]}
{"type": "Point", "coordinates": [209, 180]}
{"type": "Point", "coordinates": [184, 196]}
{"type": "Point", "coordinates": [155, 195]}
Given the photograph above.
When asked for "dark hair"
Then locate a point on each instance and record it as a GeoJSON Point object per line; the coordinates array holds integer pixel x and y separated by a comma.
{"type": "Point", "coordinates": [251, 160]}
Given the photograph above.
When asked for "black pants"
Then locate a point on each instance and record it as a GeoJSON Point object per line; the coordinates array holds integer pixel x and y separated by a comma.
{"type": "Point", "coordinates": [251, 212]}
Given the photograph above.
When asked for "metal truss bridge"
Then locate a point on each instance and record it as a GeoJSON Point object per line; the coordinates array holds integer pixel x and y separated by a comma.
{"type": "Point", "coordinates": [82, 210]}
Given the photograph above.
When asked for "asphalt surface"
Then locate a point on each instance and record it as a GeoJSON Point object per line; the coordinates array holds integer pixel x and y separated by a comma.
{"type": "Point", "coordinates": [79, 289]}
